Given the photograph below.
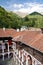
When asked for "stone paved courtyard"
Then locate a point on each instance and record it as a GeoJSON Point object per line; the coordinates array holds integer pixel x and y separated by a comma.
{"type": "Point", "coordinates": [8, 62]}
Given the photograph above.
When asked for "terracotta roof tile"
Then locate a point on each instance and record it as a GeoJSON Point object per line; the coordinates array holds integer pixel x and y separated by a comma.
{"type": "Point", "coordinates": [38, 43]}
{"type": "Point", "coordinates": [7, 32]}
{"type": "Point", "coordinates": [32, 38]}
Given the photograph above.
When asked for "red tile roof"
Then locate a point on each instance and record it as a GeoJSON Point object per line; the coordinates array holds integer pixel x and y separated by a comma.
{"type": "Point", "coordinates": [38, 43]}
{"type": "Point", "coordinates": [7, 32]}
{"type": "Point", "coordinates": [32, 38]}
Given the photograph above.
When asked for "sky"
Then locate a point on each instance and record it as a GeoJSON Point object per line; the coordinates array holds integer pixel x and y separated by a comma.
{"type": "Point", "coordinates": [24, 6]}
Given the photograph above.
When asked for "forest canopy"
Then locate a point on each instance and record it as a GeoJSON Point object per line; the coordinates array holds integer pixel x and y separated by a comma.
{"type": "Point", "coordinates": [12, 20]}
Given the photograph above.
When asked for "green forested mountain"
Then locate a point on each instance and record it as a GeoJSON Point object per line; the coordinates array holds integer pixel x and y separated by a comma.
{"type": "Point", "coordinates": [35, 13]}
{"type": "Point", "coordinates": [12, 20]}
{"type": "Point", "coordinates": [34, 19]}
{"type": "Point", "coordinates": [8, 19]}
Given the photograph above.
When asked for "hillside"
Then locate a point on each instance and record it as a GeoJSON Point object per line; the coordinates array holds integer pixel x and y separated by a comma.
{"type": "Point", "coordinates": [35, 13]}
{"type": "Point", "coordinates": [35, 18]}
{"type": "Point", "coordinates": [8, 19]}
{"type": "Point", "coordinates": [21, 14]}
{"type": "Point", "coordinates": [12, 20]}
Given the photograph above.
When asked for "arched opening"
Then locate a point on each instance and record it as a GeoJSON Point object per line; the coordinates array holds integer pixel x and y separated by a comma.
{"type": "Point", "coordinates": [29, 60]}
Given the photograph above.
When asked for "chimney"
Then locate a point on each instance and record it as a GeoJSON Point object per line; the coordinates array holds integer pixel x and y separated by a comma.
{"type": "Point", "coordinates": [3, 28]}
{"type": "Point", "coordinates": [42, 30]}
{"type": "Point", "coordinates": [17, 30]}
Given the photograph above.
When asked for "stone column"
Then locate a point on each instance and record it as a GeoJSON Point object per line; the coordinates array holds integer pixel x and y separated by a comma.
{"type": "Point", "coordinates": [8, 50]}
{"type": "Point", "coordinates": [3, 57]}
{"type": "Point", "coordinates": [14, 50]}
{"type": "Point", "coordinates": [16, 56]}
{"type": "Point", "coordinates": [27, 60]}
{"type": "Point", "coordinates": [14, 45]}
{"type": "Point", "coordinates": [22, 58]}
{"type": "Point", "coordinates": [3, 47]}
{"type": "Point", "coordinates": [19, 57]}
{"type": "Point", "coordinates": [16, 59]}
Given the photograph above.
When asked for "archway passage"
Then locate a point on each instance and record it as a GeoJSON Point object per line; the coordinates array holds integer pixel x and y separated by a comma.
{"type": "Point", "coordinates": [5, 47]}
{"type": "Point", "coordinates": [5, 40]}
{"type": "Point", "coordinates": [29, 60]}
{"type": "Point", "coordinates": [25, 58]}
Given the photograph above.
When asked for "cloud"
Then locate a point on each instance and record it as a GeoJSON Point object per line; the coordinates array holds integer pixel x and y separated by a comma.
{"type": "Point", "coordinates": [28, 7]}
{"type": "Point", "coordinates": [18, 5]}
